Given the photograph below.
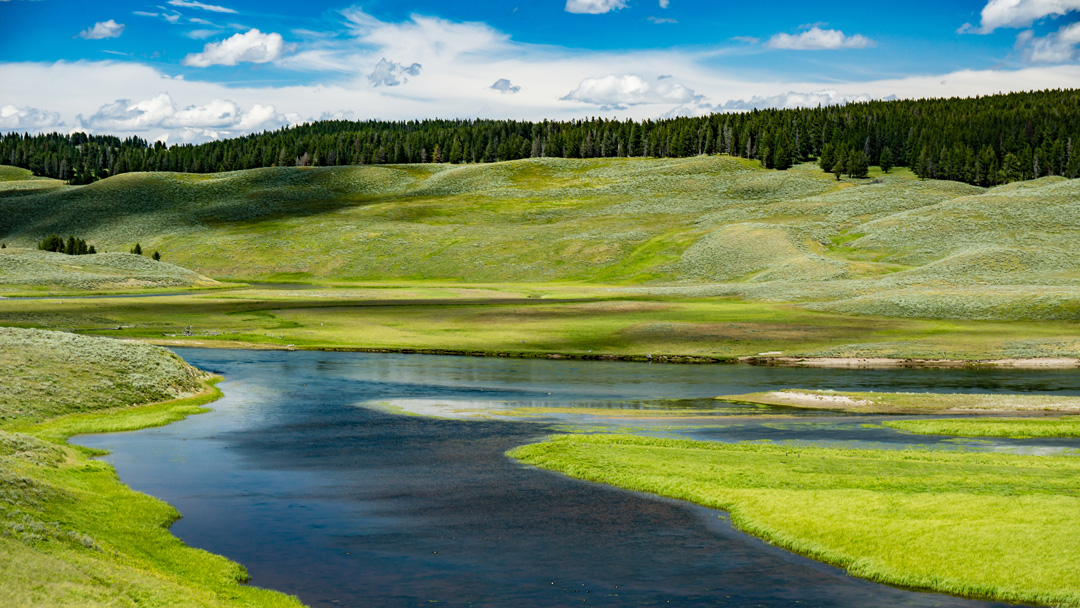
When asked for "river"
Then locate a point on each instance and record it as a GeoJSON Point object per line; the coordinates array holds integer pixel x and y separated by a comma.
{"type": "Point", "coordinates": [320, 496]}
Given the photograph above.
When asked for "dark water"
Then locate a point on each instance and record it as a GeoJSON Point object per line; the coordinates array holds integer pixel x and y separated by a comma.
{"type": "Point", "coordinates": [347, 506]}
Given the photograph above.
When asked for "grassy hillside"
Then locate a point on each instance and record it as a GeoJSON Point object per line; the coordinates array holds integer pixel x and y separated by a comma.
{"type": "Point", "coordinates": [70, 533]}
{"type": "Point", "coordinates": [31, 271]}
{"type": "Point", "coordinates": [704, 226]}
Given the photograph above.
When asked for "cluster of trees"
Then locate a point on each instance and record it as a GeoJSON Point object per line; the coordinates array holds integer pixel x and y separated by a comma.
{"type": "Point", "coordinates": [72, 246]}
{"type": "Point", "coordinates": [982, 140]}
{"type": "Point", "coordinates": [137, 250]}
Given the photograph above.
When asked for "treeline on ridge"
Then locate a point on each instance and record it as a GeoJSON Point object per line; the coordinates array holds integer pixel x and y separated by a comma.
{"type": "Point", "coordinates": [982, 140]}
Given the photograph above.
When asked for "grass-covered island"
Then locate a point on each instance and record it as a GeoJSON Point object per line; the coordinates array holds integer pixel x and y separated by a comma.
{"type": "Point", "coordinates": [973, 524]}
{"type": "Point", "coordinates": [70, 532]}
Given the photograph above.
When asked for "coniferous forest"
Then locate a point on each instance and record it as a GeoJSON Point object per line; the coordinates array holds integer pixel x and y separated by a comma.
{"type": "Point", "coordinates": [983, 140]}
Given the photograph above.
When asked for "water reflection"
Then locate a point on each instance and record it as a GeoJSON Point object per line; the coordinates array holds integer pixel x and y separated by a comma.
{"type": "Point", "coordinates": [352, 506]}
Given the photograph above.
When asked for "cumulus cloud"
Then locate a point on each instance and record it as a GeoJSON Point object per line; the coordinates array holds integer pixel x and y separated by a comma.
{"type": "Point", "coordinates": [1018, 13]}
{"type": "Point", "coordinates": [102, 30]}
{"type": "Point", "coordinates": [792, 99]}
{"type": "Point", "coordinates": [664, 3]}
{"type": "Point", "coordinates": [1056, 47]}
{"type": "Point", "coordinates": [12, 117]}
{"type": "Point", "coordinates": [222, 116]}
{"type": "Point", "coordinates": [617, 92]}
{"type": "Point", "coordinates": [817, 39]}
{"type": "Point", "coordinates": [503, 86]}
{"type": "Point", "coordinates": [390, 73]}
{"type": "Point", "coordinates": [595, 7]}
{"type": "Point", "coordinates": [252, 46]}
{"type": "Point", "coordinates": [659, 20]}
{"type": "Point", "coordinates": [206, 7]}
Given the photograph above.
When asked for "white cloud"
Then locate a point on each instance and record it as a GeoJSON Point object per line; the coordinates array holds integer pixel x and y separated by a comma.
{"type": "Point", "coordinates": [659, 20]}
{"type": "Point", "coordinates": [390, 74]}
{"type": "Point", "coordinates": [252, 46]}
{"type": "Point", "coordinates": [222, 116]}
{"type": "Point", "coordinates": [664, 3]}
{"type": "Point", "coordinates": [629, 89]}
{"type": "Point", "coordinates": [1019, 13]}
{"type": "Point", "coordinates": [459, 60]}
{"type": "Point", "coordinates": [26, 118]}
{"type": "Point", "coordinates": [503, 86]}
{"type": "Point", "coordinates": [792, 99]}
{"type": "Point", "coordinates": [596, 7]}
{"type": "Point", "coordinates": [202, 34]}
{"type": "Point", "coordinates": [1056, 47]}
{"type": "Point", "coordinates": [206, 7]}
{"type": "Point", "coordinates": [102, 30]}
{"type": "Point", "coordinates": [817, 39]}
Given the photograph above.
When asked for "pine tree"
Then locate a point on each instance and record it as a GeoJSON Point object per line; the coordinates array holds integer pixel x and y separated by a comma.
{"type": "Point", "coordinates": [838, 169]}
{"type": "Point", "coordinates": [860, 166]}
{"type": "Point", "coordinates": [156, 256]}
{"type": "Point", "coordinates": [886, 159]}
{"type": "Point", "coordinates": [137, 249]}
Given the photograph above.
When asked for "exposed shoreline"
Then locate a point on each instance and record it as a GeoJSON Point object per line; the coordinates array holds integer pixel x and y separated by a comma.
{"type": "Point", "coordinates": [820, 362]}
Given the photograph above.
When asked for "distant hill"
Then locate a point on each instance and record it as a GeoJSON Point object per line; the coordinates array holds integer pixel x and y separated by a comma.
{"type": "Point", "coordinates": [28, 271]}
{"type": "Point", "coordinates": [711, 225]}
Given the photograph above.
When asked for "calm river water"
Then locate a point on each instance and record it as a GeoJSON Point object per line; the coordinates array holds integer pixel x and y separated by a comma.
{"type": "Point", "coordinates": [344, 505]}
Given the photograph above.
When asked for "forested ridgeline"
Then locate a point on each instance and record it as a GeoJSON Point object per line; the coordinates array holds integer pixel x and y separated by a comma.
{"type": "Point", "coordinates": [984, 141]}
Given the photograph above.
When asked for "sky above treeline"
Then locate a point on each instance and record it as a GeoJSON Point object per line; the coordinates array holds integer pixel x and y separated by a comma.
{"type": "Point", "coordinates": [192, 71]}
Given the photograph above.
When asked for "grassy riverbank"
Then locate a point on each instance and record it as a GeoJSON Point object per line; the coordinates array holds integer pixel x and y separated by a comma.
{"type": "Point", "coordinates": [980, 525]}
{"type": "Point", "coordinates": [1020, 428]}
{"type": "Point", "coordinates": [531, 320]}
{"type": "Point", "coordinates": [911, 403]}
{"type": "Point", "coordinates": [71, 534]}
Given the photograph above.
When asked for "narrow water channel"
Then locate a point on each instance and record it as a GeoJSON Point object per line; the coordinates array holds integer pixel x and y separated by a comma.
{"type": "Point", "coordinates": [344, 505]}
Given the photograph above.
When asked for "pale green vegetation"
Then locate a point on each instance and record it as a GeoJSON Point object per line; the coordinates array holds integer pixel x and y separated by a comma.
{"type": "Point", "coordinates": [529, 320]}
{"type": "Point", "coordinates": [35, 272]}
{"type": "Point", "coordinates": [1020, 428]}
{"type": "Point", "coordinates": [911, 403]}
{"type": "Point", "coordinates": [70, 533]}
{"type": "Point", "coordinates": [704, 226]}
{"type": "Point", "coordinates": [972, 524]}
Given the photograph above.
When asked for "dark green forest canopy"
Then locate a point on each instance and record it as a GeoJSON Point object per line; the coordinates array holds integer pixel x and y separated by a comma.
{"type": "Point", "coordinates": [982, 140]}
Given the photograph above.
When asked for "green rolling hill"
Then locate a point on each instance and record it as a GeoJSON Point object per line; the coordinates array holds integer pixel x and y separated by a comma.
{"type": "Point", "coordinates": [701, 226]}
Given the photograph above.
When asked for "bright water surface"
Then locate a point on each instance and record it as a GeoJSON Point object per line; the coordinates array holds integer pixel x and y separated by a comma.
{"type": "Point", "coordinates": [344, 505]}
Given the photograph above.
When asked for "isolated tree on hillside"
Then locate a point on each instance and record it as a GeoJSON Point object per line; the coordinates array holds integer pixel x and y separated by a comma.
{"type": "Point", "coordinates": [137, 249]}
{"type": "Point", "coordinates": [859, 165]}
{"type": "Point", "coordinates": [156, 256]}
{"type": "Point", "coordinates": [827, 160]}
{"type": "Point", "coordinates": [886, 159]}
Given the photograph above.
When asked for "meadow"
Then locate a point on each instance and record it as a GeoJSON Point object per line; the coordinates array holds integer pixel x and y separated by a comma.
{"type": "Point", "coordinates": [977, 525]}
{"type": "Point", "coordinates": [708, 226]}
{"type": "Point", "coordinates": [71, 534]}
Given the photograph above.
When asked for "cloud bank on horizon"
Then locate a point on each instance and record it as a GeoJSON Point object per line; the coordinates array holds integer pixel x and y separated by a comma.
{"type": "Point", "coordinates": [190, 71]}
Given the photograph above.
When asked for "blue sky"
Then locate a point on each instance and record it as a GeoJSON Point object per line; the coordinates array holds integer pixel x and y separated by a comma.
{"type": "Point", "coordinates": [189, 70]}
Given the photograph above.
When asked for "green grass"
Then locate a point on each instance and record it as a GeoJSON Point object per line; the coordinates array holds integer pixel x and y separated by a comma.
{"type": "Point", "coordinates": [911, 403]}
{"type": "Point", "coordinates": [529, 320]}
{"type": "Point", "coordinates": [1021, 428]}
{"type": "Point", "coordinates": [892, 246]}
{"type": "Point", "coordinates": [71, 534]}
{"type": "Point", "coordinates": [32, 272]}
{"type": "Point", "coordinates": [979, 525]}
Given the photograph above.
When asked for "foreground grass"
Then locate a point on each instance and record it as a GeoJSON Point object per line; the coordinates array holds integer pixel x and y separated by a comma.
{"type": "Point", "coordinates": [979, 525]}
{"type": "Point", "coordinates": [1020, 428]}
{"type": "Point", "coordinates": [911, 403]}
{"type": "Point", "coordinates": [71, 534]}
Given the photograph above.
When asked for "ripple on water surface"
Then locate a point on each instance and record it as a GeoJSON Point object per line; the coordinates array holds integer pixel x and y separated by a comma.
{"type": "Point", "coordinates": [351, 506]}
